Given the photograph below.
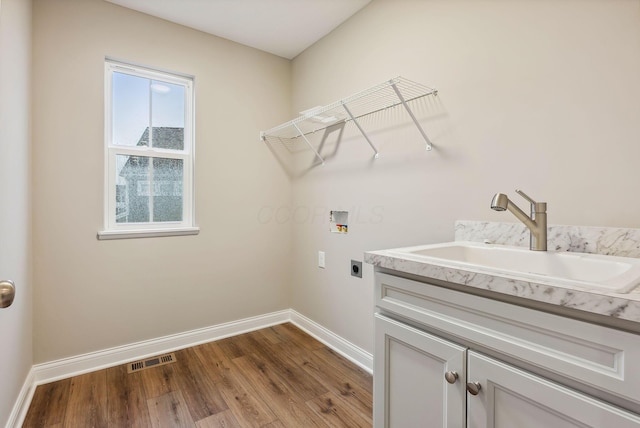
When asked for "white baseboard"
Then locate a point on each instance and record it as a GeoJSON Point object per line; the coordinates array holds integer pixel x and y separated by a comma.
{"type": "Point", "coordinates": [353, 353]}
{"type": "Point", "coordinates": [22, 403]}
{"type": "Point", "coordinates": [80, 364]}
{"type": "Point", "coordinates": [74, 366]}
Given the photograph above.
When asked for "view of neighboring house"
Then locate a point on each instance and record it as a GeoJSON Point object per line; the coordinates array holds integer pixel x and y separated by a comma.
{"type": "Point", "coordinates": [135, 202]}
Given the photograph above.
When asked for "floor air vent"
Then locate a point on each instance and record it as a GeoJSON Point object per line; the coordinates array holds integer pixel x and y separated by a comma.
{"type": "Point", "coordinates": [136, 366]}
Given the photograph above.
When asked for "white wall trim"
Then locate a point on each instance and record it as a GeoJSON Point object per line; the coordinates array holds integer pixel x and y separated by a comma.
{"type": "Point", "coordinates": [22, 403]}
{"type": "Point", "coordinates": [74, 366]}
{"type": "Point", "coordinates": [353, 353]}
{"type": "Point", "coordinates": [85, 363]}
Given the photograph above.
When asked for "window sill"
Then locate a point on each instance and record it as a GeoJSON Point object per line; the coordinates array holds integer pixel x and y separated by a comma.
{"type": "Point", "coordinates": [149, 233]}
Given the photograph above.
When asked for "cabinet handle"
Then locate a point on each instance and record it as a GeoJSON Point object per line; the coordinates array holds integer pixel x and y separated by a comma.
{"type": "Point", "coordinates": [451, 376]}
{"type": "Point", "coordinates": [473, 388]}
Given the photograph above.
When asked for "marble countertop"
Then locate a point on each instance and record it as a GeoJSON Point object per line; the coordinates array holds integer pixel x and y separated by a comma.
{"type": "Point", "coordinates": [622, 306]}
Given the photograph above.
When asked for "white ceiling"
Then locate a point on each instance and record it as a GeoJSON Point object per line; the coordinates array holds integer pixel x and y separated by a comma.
{"type": "Point", "coordinates": [281, 27]}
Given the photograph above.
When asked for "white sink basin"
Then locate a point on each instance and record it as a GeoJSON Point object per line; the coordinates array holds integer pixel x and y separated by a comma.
{"type": "Point", "coordinates": [606, 273]}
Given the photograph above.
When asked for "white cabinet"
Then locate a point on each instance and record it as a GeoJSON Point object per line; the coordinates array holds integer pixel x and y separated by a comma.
{"type": "Point", "coordinates": [510, 397]}
{"type": "Point", "coordinates": [410, 378]}
{"type": "Point", "coordinates": [561, 372]}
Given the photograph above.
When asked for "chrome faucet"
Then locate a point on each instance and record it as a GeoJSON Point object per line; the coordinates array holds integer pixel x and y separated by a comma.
{"type": "Point", "coordinates": [537, 222]}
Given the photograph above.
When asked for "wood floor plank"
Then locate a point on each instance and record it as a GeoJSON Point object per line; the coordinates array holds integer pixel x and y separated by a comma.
{"type": "Point", "coordinates": [289, 408]}
{"type": "Point", "coordinates": [261, 378]}
{"type": "Point", "coordinates": [346, 368]}
{"type": "Point", "coordinates": [247, 344]}
{"type": "Point", "coordinates": [241, 399]}
{"type": "Point", "coordinates": [48, 405]}
{"type": "Point", "coordinates": [221, 420]}
{"type": "Point", "coordinates": [275, 424]}
{"type": "Point", "coordinates": [332, 410]}
{"type": "Point", "coordinates": [270, 335]}
{"type": "Point", "coordinates": [126, 399]}
{"type": "Point", "coordinates": [87, 405]}
{"type": "Point", "coordinates": [169, 411]}
{"type": "Point", "coordinates": [299, 336]}
{"type": "Point", "coordinates": [258, 338]}
{"type": "Point", "coordinates": [276, 332]}
{"type": "Point", "coordinates": [230, 348]}
{"type": "Point", "coordinates": [213, 351]}
{"type": "Point", "coordinates": [211, 358]}
{"type": "Point", "coordinates": [353, 394]}
{"type": "Point", "coordinates": [198, 389]}
{"type": "Point", "coordinates": [297, 380]}
{"type": "Point", "coordinates": [159, 381]}
{"type": "Point", "coordinates": [243, 345]}
{"type": "Point", "coordinates": [295, 352]}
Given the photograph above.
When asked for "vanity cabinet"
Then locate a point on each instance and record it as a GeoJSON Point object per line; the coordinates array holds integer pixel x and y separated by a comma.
{"type": "Point", "coordinates": [410, 384]}
{"type": "Point", "coordinates": [511, 397]}
{"type": "Point", "coordinates": [434, 345]}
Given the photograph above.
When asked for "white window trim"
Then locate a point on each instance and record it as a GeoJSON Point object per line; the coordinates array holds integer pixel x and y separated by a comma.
{"type": "Point", "coordinates": [149, 233]}
{"type": "Point", "coordinates": [187, 226]}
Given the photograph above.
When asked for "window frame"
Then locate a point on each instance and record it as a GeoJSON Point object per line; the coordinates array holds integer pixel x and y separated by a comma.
{"type": "Point", "coordinates": [112, 229]}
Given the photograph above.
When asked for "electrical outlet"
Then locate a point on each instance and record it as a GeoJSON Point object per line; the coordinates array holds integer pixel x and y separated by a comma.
{"type": "Point", "coordinates": [356, 268]}
{"type": "Point", "coordinates": [321, 259]}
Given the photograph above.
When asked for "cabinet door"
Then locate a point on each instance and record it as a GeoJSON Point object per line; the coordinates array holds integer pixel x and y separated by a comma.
{"type": "Point", "coordinates": [510, 397]}
{"type": "Point", "coordinates": [410, 388]}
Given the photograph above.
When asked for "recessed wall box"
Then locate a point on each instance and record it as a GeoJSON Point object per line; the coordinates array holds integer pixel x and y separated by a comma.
{"type": "Point", "coordinates": [339, 221]}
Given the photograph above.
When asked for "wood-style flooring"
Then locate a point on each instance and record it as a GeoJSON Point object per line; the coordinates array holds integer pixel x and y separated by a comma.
{"type": "Point", "coordinates": [272, 378]}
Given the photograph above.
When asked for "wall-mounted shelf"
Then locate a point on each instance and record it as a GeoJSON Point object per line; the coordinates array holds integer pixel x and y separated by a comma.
{"type": "Point", "coordinates": [393, 92]}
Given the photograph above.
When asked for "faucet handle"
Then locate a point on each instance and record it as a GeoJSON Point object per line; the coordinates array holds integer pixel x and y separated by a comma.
{"type": "Point", "coordinates": [535, 206]}
{"type": "Point", "coordinates": [524, 195]}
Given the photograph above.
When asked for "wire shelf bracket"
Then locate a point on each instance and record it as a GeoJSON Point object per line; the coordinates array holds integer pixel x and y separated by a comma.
{"type": "Point", "coordinates": [306, 140]}
{"type": "Point", "coordinates": [391, 93]}
{"type": "Point", "coordinates": [415, 121]}
{"type": "Point", "coordinates": [364, 134]}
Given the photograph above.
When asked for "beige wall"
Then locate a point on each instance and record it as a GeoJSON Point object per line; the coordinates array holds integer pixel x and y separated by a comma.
{"type": "Point", "coordinates": [15, 218]}
{"type": "Point", "coordinates": [90, 294]}
{"type": "Point", "coordinates": [538, 95]}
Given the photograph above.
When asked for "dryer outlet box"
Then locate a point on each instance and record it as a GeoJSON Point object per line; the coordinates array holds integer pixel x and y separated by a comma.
{"type": "Point", "coordinates": [356, 268]}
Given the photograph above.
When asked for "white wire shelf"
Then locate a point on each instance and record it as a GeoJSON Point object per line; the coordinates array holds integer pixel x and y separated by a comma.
{"type": "Point", "coordinates": [391, 93]}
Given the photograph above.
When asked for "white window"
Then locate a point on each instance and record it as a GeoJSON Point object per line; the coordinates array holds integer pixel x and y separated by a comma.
{"type": "Point", "coordinates": [149, 149]}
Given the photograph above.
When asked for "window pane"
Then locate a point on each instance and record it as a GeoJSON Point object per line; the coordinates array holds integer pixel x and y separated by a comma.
{"type": "Point", "coordinates": [130, 110]}
{"type": "Point", "coordinates": [167, 115]}
{"type": "Point", "coordinates": [149, 113]}
{"type": "Point", "coordinates": [132, 189]}
{"type": "Point", "coordinates": [167, 189]}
